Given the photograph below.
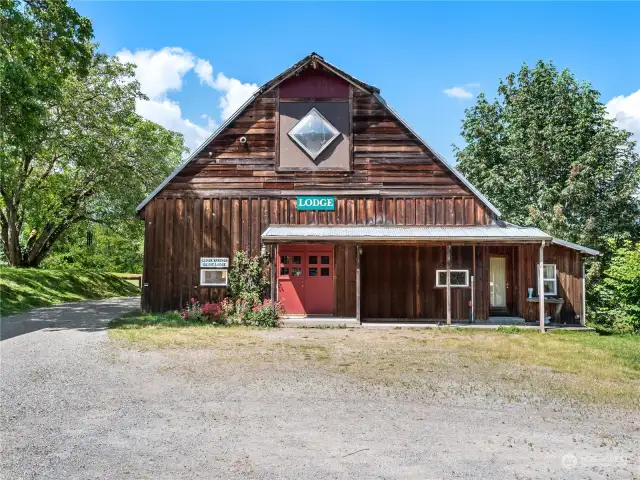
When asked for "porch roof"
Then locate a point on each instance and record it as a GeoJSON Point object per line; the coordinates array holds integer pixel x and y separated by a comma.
{"type": "Point", "coordinates": [485, 233]}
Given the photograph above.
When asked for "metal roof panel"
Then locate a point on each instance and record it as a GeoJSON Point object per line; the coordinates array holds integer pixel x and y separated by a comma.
{"type": "Point", "coordinates": [402, 232]}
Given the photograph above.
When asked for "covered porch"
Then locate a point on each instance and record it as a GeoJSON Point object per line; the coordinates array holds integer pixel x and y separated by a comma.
{"type": "Point", "coordinates": [477, 275]}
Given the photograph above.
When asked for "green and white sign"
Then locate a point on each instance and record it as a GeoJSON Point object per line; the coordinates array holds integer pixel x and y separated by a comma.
{"type": "Point", "coordinates": [316, 202]}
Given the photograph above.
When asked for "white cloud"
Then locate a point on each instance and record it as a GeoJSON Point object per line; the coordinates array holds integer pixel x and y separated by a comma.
{"type": "Point", "coordinates": [234, 94]}
{"type": "Point", "coordinates": [162, 71]}
{"type": "Point", "coordinates": [167, 113]}
{"type": "Point", "coordinates": [204, 70]}
{"type": "Point", "coordinates": [626, 112]}
{"type": "Point", "coordinates": [159, 71]}
{"type": "Point", "coordinates": [458, 92]}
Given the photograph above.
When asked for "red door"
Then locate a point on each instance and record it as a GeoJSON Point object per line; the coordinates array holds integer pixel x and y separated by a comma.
{"type": "Point", "coordinates": [305, 279]}
{"type": "Point", "coordinates": [319, 282]}
{"type": "Point", "coordinates": [291, 279]}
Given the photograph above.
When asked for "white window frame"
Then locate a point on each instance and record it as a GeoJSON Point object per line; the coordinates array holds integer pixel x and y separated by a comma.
{"type": "Point", "coordinates": [334, 130]}
{"type": "Point", "coordinates": [548, 279]}
{"type": "Point", "coordinates": [466, 277]}
{"type": "Point", "coordinates": [202, 281]}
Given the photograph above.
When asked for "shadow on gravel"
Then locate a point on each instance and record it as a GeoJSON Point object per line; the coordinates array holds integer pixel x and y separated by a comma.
{"type": "Point", "coordinates": [91, 316]}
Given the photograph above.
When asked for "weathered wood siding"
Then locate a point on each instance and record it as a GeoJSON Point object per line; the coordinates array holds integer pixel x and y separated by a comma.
{"type": "Point", "coordinates": [569, 271]}
{"type": "Point", "coordinates": [386, 157]}
{"type": "Point", "coordinates": [178, 231]}
{"type": "Point", "coordinates": [399, 282]}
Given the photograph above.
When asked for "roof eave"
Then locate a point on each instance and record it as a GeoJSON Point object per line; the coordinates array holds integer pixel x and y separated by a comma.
{"type": "Point", "coordinates": [198, 150]}
{"type": "Point", "coordinates": [298, 66]}
{"type": "Point", "coordinates": [574, 246]}
{"type": "Point", "coordinates": [270, 239]}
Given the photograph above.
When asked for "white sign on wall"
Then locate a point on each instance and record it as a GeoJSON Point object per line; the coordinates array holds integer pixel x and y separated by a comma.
{"type": "Point", "coordinates": [214, 262]}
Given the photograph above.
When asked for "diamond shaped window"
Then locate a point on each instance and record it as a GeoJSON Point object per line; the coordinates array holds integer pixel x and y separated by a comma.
{"type": "Point", "coordinates": [313, 133]}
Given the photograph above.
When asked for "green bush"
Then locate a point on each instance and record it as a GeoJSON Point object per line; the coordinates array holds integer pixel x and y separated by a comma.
{"type": "Point", "coordinates": [619, 291]}
{"type": "Point", "coordinates": [248, 279]}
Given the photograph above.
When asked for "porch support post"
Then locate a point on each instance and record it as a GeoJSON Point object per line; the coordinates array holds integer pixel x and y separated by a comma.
{"type": "Point", "coordinates": [473, 287]}
{"type": "Point", "coordinates": [541, 286]}
{"type": "Point", "coordinates": [272, 273]}
{"type": "Point", "coordinates": [448, 284]}
{"type": "Point", "coordinates": [358, 284]}
{"type": "Point", "coordinates": [583, 317]}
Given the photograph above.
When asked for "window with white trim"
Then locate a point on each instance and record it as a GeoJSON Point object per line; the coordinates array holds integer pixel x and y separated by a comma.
{"type": "Point", "coordinates": [550, 279]}
{"type": "Point", "coordinates": [459, 278]}
{"type": "Point", "coordinates": [214, 277]}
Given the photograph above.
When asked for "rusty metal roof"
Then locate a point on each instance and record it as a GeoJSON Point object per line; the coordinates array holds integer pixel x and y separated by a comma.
{"type": "Point", "coordinates": [484, 233]}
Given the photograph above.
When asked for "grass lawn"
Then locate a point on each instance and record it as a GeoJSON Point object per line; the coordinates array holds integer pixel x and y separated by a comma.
{"type": "Point", "coordinates": [574, 367]}
{"type": "Point", "coordinates": [25, 288]}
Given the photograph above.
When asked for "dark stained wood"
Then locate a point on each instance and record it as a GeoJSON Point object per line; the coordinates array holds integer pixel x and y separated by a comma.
{"type": "Point", "coordinates": [225, 198]}
{"type": "Point", "coordinates": [316, 83]}
{"type": "Point", "coordinates": [407, 276]}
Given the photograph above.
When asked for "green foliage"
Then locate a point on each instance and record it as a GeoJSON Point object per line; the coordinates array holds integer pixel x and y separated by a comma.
{"type": "Point", "coordinates": [248, 278]}
{"type": "Point", "coordinates": [22, 289]}
{"type": "Point", "coordinates": [619, 290]}
{"type": "Point", "coordinates": [546, 154]}
{"type": "Point", "coordinates": [119, 248]}
{"type": "Point", "coordinates": [248, 312]}
{"type": "Point", "coordinates": [83, 155]}
{"type": "Point", "coordinates": [44, 42]}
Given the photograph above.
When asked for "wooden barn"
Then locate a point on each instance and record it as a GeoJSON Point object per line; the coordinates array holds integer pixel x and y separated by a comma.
{"type": "Point", "coordinates": [361, 219]}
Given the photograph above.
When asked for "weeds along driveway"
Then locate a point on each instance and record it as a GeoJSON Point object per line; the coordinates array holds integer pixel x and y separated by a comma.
{"type": "Point", "coordinates": [279, 404]}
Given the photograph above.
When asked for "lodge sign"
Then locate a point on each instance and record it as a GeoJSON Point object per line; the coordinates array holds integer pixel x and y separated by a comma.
{"type": "Point", "coordinates": [319, 202]}
{"type": "Point", "coordinates": [214, 262]}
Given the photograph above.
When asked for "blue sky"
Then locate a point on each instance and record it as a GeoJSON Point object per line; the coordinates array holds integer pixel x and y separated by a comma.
{"type": "Point", "coordinates": [197, 61]}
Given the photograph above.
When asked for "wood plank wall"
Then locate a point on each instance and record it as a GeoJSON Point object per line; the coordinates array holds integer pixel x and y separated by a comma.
{"type": "Point", "coordinates": [178, 231]}
{"type": "Point", "coordinates": [569, 276]}
{"type": "Point", "coordinates": [398, 282]}
{"type": "Point", "coordinates": [386, 156]}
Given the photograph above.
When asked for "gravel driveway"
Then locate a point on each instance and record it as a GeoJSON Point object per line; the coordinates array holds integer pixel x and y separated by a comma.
{"type": "Point", "coordinates": [77, 405]}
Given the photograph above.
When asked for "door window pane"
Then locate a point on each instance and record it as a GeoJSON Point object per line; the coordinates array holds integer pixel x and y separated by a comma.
{"type": "Point", "coordinates": [284, 270]}
{"type": "Point", "coordinates": [313, 259]}
{"type": "Point", "coordinates": [297, 260]}
{"type": "Point", "coordinates": [442, 278]}
{"type": "Point", "coordinates": [324, 259]}
{"type": "Point", "coordinates": [296, 272]}
{"type": "Point", "coordinates": [313, 272]}
{"type": "Point", "coordinates": [324, 272]}
{"type": "Point", "coordinates": [284, 259]}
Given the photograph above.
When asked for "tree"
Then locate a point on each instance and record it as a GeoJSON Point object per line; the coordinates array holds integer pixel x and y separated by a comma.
{"type": "Point", "coordinates": [44, 42]}
{"type": "Point", "coordinates": [118, 247]}
{"type": "Point", "coordinates": [619, 291]}
{"type": "Point", "coordinates": [545, 153]}
{"type": "Point", "coordinates": [94, 162]}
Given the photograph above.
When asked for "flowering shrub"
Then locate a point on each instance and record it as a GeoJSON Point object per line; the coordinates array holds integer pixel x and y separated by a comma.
{"type": "Point", "coordinates": [264, 314]}
{"type": "Point", "coordinates": [192, 312]}
{"type": "Point", "coordinates": [247, 312]}
{"type": "Point", "coordinates": [212, 310]}
{"type": "Point", "coordinates": [208, 312]}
